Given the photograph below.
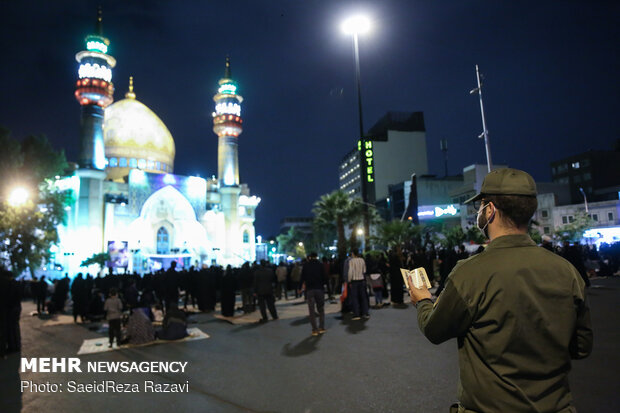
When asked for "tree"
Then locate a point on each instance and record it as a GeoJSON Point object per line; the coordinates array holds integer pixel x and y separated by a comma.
{"type": "Point", "coordinates": [288, 243]}
{"type": "Point", "coordinates": [28, 230]}
{"type": "Point", "coordinates": [573, 231]}
{"type": "Point", "coordinates": [453, 236]}
{"type": "Point", "coordinates": [396, 233]}
{"type": "Point", "coordinates": [99, 259]}
{"type": "Point", "coordinates": [334, 210]}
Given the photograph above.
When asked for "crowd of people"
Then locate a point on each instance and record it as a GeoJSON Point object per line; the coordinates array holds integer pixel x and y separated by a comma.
{"type": "Point", "coordinates": [372, 281]}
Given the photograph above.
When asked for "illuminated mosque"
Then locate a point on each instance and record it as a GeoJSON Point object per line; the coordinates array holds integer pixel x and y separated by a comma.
{"type": "Point", "coordinates": [127, 200]}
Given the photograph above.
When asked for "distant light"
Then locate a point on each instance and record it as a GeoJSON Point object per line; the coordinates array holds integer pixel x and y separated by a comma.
{"type": "Point", "coordinates": [360, 231]}
{"type": "Point", "coordinates": [273, 249]}
{"type": "Point", "coordinates": [259, 239]}
{"type": "Point", "coordinates": [271, 242]}
{"type": "Point", "coordinates": [18, 197]}
{"type": "Point", "coordinates": [169, 179]}
{"type": "Point", "coordinates": [227, 88]}
{"type": "Point", "coordinates": [356, 25]}
{"type": "Point", "coordinates": [94, 45]}
{"type": "Point", "coordinates": [196, 186]}
{"type": "Point", "coordinates": [301, 244]}
{"type": "Point", "coordinates": [95, 70]}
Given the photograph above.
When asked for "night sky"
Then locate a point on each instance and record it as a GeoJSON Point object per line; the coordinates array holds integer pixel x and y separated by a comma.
{"type": "Point", "coordinates": [550, 90]}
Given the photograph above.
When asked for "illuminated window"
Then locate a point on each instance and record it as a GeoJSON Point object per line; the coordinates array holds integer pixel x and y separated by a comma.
{"type": "Point", "coordinates": [122, 162]}
{"type": "Point", "coordinates": [575, 165]}
{"type": "Point", "coordinates": [151, 165]}
{"type": "Point", "coordinates": [133, 163]}
{"type": "Point", "coordinates": [157, 165]}
{"type": "Point", "coordinates": [113, 162]}
{"type": "Point", "coordinates": [163, 244]}
{"type": "Point", "coordinates": [246, 237]}
{"type": "Point", "coordinates": [141, 163]}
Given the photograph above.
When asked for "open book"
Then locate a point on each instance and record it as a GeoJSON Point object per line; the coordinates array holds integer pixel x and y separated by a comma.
{"type": "Point", "coordinates": [416, 278]}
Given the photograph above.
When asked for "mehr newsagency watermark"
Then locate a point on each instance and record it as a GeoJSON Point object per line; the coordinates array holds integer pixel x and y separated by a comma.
{"type": "Point", "coordinates": [75, 365]}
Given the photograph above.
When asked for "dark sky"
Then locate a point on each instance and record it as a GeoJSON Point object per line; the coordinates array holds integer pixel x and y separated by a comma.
{"type": "Point", "coordinates": [551, 88]}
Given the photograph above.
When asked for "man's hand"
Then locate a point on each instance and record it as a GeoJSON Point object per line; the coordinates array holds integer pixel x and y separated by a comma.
{"type": "Point", "coordinates": [418, 294]}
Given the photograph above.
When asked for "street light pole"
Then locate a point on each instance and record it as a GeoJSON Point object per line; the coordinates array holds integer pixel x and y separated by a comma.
{"type": "Point", "coordinates": [354, 26]}
{"type": "Point", "coordinates": [485, 132]}
{"type": "Point", "coordinates": [585, 199]}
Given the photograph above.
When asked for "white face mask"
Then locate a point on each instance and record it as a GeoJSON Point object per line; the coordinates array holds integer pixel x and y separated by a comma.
{"type": "Point", "coordinates": [484, 227]}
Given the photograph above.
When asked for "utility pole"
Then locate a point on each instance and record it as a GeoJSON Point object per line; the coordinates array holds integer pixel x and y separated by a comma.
{"type": "Point", "coordinates": [485, 131]}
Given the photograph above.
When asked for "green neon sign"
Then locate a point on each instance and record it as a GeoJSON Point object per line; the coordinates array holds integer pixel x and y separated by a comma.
{"type": "Point", "coordinates": [369, 163]}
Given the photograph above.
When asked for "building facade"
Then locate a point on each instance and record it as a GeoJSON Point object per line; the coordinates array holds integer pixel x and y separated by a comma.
{"type": "Point", "coordinates": [128, 201]}
{"type": "Point", "coordinates": [591, 176]}
{"type": "Point", "coordinates": [394, 149]}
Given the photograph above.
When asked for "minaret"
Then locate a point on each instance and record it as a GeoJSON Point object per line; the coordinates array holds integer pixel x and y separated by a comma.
{"type": "Point", "coordinates": [94, 91]}
{"type": "Point", "coordinates": [227, 126]}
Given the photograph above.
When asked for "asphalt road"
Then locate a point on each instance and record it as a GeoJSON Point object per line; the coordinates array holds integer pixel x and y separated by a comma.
{"type": "Point", "coordinates": [383, 364]}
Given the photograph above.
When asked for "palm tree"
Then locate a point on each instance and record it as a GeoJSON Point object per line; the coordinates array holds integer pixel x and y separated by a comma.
{"type": "Point", "coordinates": [396, 233]}
{"type": "Point", "coordinates": [334, 210]}
{"type": "Point", "coordinates": [288, 242]}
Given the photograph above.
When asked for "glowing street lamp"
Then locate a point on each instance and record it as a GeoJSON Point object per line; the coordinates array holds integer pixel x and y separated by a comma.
{"type": "Point", "coordinates": [18, 197]}
{"type": "Point", "coordinates": [360, 231]}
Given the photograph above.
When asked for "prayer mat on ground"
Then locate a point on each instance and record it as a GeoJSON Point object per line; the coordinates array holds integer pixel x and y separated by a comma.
{"type": "Point", "coordinates": [100, 345]}
{"type": "Point", "coordinates": [59, 319]}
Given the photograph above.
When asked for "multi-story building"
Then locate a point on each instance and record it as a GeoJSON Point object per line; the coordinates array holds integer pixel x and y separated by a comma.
{"type": "Point", "coordinates": [394, 149]}
{"type": "Point", "coordinates": [430, 201]}
{"type": "Point", "coordinates": [592, 176]}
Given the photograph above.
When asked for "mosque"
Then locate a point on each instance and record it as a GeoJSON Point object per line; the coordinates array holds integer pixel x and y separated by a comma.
{"type": "Point", "coordinates": [128, 202]}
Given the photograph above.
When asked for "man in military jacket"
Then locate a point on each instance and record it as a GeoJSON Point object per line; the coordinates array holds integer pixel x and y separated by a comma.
{"type": "Point", "coordinates": [518, 311]}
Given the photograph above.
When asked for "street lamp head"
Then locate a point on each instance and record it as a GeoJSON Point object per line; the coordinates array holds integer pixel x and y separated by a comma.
{"type": "Point", "coordinates": [356, 25]}
{"type": "Point", "coordinates": [18, 197]}
{"type": "Point", "coordinates": [360, 231]}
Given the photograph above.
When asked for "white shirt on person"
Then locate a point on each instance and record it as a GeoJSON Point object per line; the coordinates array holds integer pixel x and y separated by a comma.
{"type": "Point", "coordinates": [357, 268]}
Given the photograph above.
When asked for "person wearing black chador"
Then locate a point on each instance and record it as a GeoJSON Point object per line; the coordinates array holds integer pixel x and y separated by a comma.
{"type": "Point", "coordinates": [396, 279]}
{"type": "Point", "coordinates": [229, 286]}
{"type": "Point", "coordinates": [264, 277]}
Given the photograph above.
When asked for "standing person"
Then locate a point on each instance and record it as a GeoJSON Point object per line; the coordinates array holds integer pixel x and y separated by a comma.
{"type": "Point", "coordinates": [229, 288]}
{"type": "Point", "coordinates": [79, 297]}
{"type": "Point", "coordinates": [313, 279]}
{"type": "Point", "coordinates": [295, 277]}
{"type": "Point", "coordinates": [41, 294]}
{"type": "Point", "coordinates": [263, 288]}
{"type": "Point", "coordinates": [356, 269]}
{"type": "Point", "coordinates": [334, 278]}
{"type": "Point", "coordinates": [171, 286]}
{"type": "Point", "coordinates": [114, 310]}
{"type": "Point", "coordinates": [281, 273]}
{"type": "Point", "coordinates": [518, 311]}
{"type": "Point", "coordinates": [395, 263]}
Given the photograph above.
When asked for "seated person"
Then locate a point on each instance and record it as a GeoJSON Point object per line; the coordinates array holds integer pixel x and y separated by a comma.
{"type": "Point", "coordinates": [139, 328]}
{"type": "Point", "coordinates": [174, 325]}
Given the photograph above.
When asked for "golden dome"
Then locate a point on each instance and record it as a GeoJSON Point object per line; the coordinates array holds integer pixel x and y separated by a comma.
{"type": "Point", "coordinates": [134, 137]}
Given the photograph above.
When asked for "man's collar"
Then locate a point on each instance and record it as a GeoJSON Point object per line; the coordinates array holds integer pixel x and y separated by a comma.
{"type": "Point", "coordinates": [513, 240]}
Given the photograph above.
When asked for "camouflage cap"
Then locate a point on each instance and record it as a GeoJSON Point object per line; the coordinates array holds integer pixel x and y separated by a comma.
{"type": "Point", "coordinates": [506, 181]}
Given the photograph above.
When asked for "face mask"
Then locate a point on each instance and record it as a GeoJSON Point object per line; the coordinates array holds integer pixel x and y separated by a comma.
{"type": "Point", "coordinates": [482, 222]}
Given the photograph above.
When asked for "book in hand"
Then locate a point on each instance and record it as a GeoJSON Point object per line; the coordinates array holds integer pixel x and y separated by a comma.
{"type": "Point", "coordinates": [416, 278]}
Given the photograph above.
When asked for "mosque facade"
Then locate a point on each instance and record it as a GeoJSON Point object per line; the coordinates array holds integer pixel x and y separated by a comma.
{"type": "Point", "coordinates": [128, 202]}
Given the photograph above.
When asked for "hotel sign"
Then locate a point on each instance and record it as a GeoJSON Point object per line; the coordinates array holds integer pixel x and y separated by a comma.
{"type": "Point", "coordinates": [368, 160]}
